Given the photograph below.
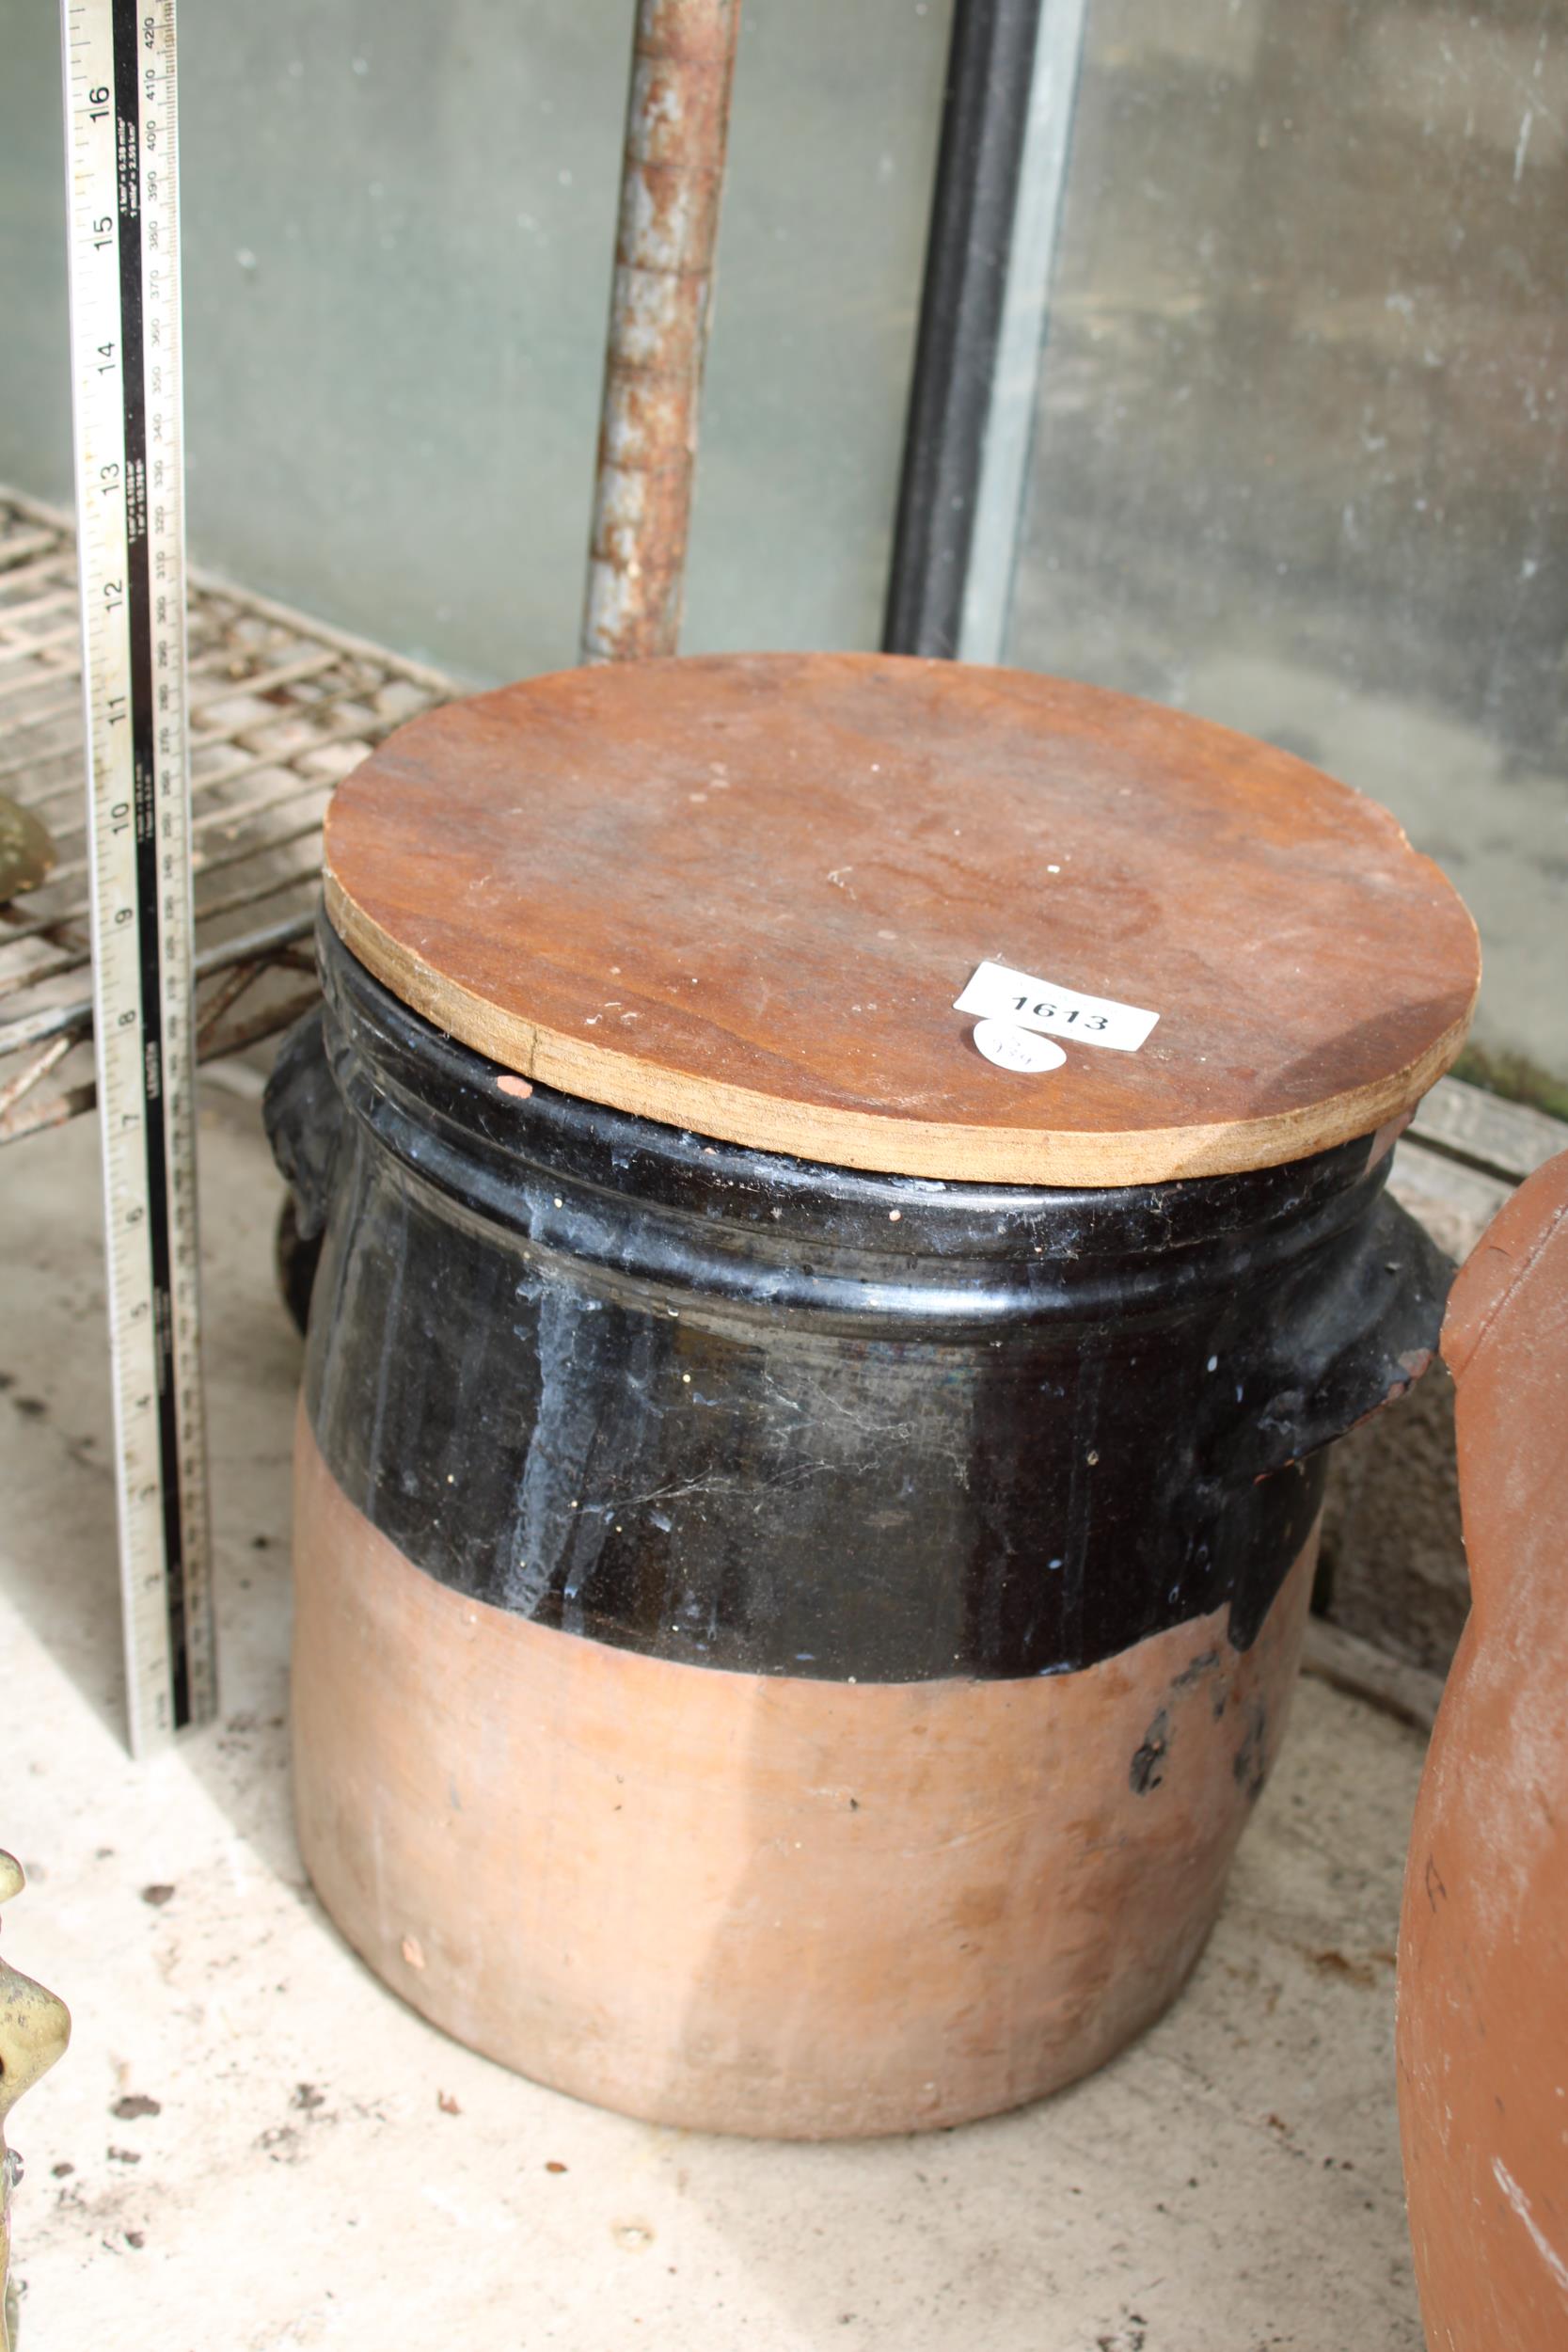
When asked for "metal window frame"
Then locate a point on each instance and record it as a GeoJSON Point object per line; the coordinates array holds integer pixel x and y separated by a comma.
{"type": "Point", "coordinates": [996, 206]}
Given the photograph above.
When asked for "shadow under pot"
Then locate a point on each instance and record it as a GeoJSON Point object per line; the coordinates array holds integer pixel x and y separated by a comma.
{"type": "Point", "coordinates": [783, 1649]}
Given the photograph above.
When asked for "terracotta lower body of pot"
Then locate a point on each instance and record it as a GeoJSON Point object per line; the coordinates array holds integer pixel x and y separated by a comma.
{"type": "Point", "coordinates": [761, 1903]}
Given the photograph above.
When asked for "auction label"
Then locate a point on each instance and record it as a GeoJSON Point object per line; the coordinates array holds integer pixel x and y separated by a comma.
{"type": "Point", "coordinates": [997, 993]}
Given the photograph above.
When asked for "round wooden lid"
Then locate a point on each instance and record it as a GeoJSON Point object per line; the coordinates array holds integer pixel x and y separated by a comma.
{"type": "Point", "coordinates": [741, 895]}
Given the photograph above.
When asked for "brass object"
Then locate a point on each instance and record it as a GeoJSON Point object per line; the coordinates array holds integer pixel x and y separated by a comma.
{"type": "Point", "coordinates": [26, 851]}
{"type": "Point", "coordinates": [35, 2026]}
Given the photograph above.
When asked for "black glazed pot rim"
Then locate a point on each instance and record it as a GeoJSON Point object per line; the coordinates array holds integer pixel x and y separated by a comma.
{"type": "Point", "coordinates": [441, 1108]}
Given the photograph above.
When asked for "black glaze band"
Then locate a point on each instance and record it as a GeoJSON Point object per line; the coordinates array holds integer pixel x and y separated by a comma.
{"type": "Point", "coordinates": [720, 1405]}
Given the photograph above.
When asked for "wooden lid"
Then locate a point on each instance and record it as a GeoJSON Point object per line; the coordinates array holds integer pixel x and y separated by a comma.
{"type": "Point", "coordinates": [741, 895]}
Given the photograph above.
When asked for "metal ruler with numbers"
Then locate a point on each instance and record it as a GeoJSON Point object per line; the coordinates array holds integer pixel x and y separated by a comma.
{"type": "Point", "coordinates": [122, 193]}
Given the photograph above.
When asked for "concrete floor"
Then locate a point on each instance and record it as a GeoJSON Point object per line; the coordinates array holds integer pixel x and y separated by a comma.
{"type": "Point", "coordinates": [251, 2144]}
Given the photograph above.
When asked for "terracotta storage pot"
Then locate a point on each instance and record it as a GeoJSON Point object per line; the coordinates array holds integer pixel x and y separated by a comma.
{"type": "Point", "coordinates": [1483, 1940]}
{"type": "Point", "coordinates": [803, 1533]}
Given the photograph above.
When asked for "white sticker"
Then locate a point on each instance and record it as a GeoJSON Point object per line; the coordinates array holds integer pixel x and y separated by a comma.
{"type": "Point", "coordinates": [1015, 1049]}
{"type": "Point", "coordinates": [998, 994]}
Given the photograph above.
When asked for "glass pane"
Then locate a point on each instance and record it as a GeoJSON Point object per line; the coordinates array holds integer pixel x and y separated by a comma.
{"type": "Point", "coordinates": [398, 226]}
{"type": "Point", "coordinates": [1301, 461]}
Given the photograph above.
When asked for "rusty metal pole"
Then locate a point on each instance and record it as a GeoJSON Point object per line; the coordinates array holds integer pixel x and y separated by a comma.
{"type": "Point", "coordinates": [677, 117]}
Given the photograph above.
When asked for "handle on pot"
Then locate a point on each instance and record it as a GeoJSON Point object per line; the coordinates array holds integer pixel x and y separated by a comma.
{"type": "Point", "coordinates": [1351, 1336]}
{"type": "Point", "coordinates": [304, 1119]}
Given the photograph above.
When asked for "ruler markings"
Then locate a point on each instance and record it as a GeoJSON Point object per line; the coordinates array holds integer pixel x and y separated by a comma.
{"type": "Point", "coordinates": [124, 272]}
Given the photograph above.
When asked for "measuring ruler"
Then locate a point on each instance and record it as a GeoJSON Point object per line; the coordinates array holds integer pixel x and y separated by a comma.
{"type": "Point", "coordinates": [119, 109]}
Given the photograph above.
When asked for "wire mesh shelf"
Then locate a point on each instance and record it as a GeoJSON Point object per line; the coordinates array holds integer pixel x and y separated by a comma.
{"type": "Point", "coordinates": [280, 707]}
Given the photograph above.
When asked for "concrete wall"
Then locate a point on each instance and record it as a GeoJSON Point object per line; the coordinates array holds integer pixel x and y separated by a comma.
{"type": "Point", "coordinates": [1301, 452]}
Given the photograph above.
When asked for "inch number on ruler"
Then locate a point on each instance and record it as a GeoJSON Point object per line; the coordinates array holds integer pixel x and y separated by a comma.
{"type": "Point", "coordinates": [120, 167]}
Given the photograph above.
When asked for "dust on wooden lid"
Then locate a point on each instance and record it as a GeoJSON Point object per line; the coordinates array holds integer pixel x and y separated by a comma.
{"type": "Point", "coordinates": [741, 895]}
